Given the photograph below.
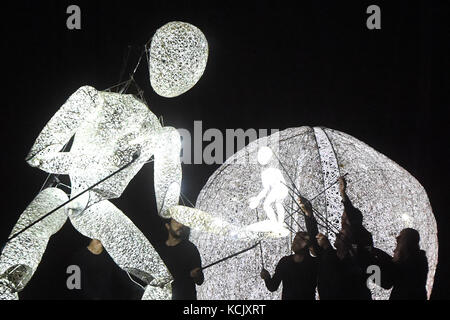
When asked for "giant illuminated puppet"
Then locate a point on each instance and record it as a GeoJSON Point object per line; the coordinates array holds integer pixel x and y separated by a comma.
{"type": "Point", "coordinates": [114, 135]}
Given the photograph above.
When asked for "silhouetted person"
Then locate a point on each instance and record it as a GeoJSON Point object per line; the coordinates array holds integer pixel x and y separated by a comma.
{"type": "Point", "coordinates": [406, 272]}
{"type": "Point", "coordinates": [183, 261]}
{"type": "Point", "coordinates": [297, 272]}
{"type": "Point", "coordinates": [341, 272]}
{"type": "Point", "coordinates": [101, 278]}
{"type": "Point", "coordinates": [355, 246]}
{"type": "Point", "coordinates": [352, 222]}
{"type": "Point", "coordinates": [329, 277]}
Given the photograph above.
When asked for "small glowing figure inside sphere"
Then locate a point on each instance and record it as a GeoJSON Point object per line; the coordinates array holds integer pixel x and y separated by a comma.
{"type": "Point", "coordinates": [274, 192]}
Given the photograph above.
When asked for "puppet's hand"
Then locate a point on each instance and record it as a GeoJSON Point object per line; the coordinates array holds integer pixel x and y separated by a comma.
{"type": "Point", "coordinates": [254, 202]}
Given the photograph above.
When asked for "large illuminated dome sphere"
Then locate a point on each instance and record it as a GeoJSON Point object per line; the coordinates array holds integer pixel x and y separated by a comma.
{"type": "Point", "coordinates": [177, 58]}
{"type": "Point", "coordinates": [311, 159]}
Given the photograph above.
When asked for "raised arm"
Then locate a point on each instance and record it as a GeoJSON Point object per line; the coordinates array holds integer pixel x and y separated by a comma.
{"type": "Point", "coordinates": [350, 210]}
{"type": "Point", "coordinates": [311, 224]}
{"type": "Point", "coordinates": [353, 222]}
{"type": "Point", "coordinates": [167, 168]}
{"type": "Point", "coordinates": [45, 153]}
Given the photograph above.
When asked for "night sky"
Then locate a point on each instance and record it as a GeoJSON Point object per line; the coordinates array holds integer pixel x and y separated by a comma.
{"type": "Point", "coordinates": [270, 66]}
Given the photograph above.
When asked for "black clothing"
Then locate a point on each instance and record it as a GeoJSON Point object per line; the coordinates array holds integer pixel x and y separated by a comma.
{"type": "Point", "coordinates": [406, 278]}
{"type": "Point", "coordinates": [353, 279]}
{"type": "Point", "coordinates": [180, 261]}
{"type": "Point", "coordinates": [299, 278]}
{"type": "Point", "coordinates": [101, 278]}
{"type": "Point", "coordinates": [340, 279]}
{"type": "Point", "coordinates": [330, 281]}
{"type": "Point", "coordinates": [329, 276]}
{"type": "Point", "coordinates": [359, 257]}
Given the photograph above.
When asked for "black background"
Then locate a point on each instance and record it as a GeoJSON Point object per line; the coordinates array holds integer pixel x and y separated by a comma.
{"type": "Point", "coordinates": [271, 65]}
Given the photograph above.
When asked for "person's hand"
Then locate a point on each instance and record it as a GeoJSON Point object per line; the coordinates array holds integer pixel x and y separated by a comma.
{"type": "Point", "coordinates": [196, 273]}
{"type": "Point", "coordinates": [305, 205]}
{"type": "Point", "coordinates": [323, 241]}
{"type": "Point", "coordinates": [265, 275]}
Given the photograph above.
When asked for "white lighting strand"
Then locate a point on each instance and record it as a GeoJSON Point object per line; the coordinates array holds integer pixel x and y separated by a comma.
{"type": "Point", "coordinates": [330, 168]}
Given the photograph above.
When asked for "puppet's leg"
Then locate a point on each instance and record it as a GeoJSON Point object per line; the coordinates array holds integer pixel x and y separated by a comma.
{"type": "Point", "coordinates": [126, 245]}
{"type": "Point", "coordinates": [268, 202]}
{"type": "Point", "coordinates": [280, 211]}
{"type": "Point", "coordinates": [21, 255]}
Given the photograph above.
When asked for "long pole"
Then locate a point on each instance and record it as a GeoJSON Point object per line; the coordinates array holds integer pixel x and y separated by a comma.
{"type": "Point", "coordinates": [135, 157]}
{"type": "Point", "coordinates": [231, 256]}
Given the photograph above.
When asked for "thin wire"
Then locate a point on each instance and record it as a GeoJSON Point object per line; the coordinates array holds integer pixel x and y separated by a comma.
{"type": "Point", "coordinates": [290, 178]}
{"type": "Point", "coordinates": [182, 200]}
{"type": "Point", "coordinates": [187, 199]}
{"type": "Point", "coordinates": [139, 61]}
{"type": "Point", "coordinates": [125, 63]}
{"type": "Point", "coordinates": [116, 85]}
{"type": "Point", "coordinates": [135, 281]}
{"type": "Point", "coordinates": [126, 84]}
{"type": "Point", "coordinates": [260, 243]}
{"type": "Point", "coordinates": [323, 226]}
{"type": "Point", "coordinates": [231, 256]}
{"type": "Point", "coordinates": [313, 198]}
{"type": "Point", "coordinates": [62, 184]}
{"type": "Point", "coordinates": [290, 229]}
{"type": "Point", "coordinates": [318, 214]}
{"type": "Point", "coordinates": [314, 210]}
{"type": "Point", "coordinates": [299, 226]}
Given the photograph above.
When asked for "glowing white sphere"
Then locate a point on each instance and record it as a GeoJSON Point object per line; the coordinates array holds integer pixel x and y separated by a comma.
{"type": "Point", "coordinates": [178, 57]}
{"type": "Point", "coordinates": [312, 158]}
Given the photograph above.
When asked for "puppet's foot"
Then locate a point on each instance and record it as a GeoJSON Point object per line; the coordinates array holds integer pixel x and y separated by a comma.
{"type": "Point", "coordinates": [270, 228]}
{"type": "Point", "coordinates": [158, 293]}
{"type": "Point", "coordinates": [6, 293]}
